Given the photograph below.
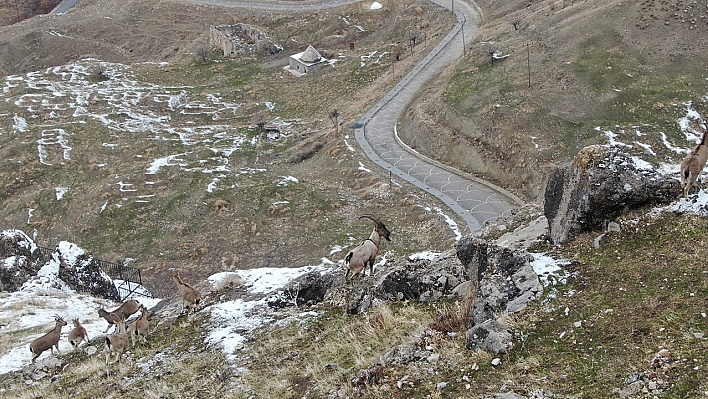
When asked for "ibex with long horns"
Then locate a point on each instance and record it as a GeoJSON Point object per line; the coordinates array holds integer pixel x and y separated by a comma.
{"type": "Point", "coordinates": [365, 254]}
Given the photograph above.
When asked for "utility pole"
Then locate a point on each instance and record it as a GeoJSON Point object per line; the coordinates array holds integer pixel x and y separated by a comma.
{"type": "Point", "coordinates": [528, 62]}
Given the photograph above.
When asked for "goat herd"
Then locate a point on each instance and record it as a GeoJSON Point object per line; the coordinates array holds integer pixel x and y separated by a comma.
{"type": "Point", "coordinates": [355, 263]}
{"type": "Point", "coordinates": [123, 338]}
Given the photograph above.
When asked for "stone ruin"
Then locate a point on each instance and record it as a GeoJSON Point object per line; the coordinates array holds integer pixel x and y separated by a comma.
{"type": "Point", "coordinates": [241, 39]}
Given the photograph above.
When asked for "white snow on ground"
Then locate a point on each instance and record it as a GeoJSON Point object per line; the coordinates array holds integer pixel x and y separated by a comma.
{"type": "Point", "coordinates": [548, 269]}
{"type": "Point", "coordinates": [425, 255]}
{"type": "Point", "coordinates": [232, 321]}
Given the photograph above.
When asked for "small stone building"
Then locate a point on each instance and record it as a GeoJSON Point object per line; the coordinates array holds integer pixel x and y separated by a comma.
{"type": "Point", "coordinates": [306, 61]}
{"type": "Point", "coordinates": [241, 39]}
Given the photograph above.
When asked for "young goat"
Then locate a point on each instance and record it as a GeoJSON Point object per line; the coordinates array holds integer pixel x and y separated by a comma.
{"type": "Point", "coordinates": [124, 311]}
{"type": "Point", "coordinates": [49, 340]}
{"type": "Point", "coordinates": [78, 335]}
{"type": "Point", "coordinates": [693, 165]}
{"type": "Point", "coordinates": [357, 259]}
{"type": "Point", "coordinates": [117, 342]}
{"type": "Point", "coordinates": [189, 295]}
{"type": "Point", "coordinates": [139, 329]}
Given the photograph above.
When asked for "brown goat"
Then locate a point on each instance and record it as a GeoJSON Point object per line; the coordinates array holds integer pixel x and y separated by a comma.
{"type": "Point", "coordinates": [49, 340]}
{"type": "Point", "coordinates": [117, 342]}
{"type": "Point", "coordinates": [693, 165]}
{"type": "Point", "coordinates": [140, 327]}
{"type": "Point", "coordinates": [124, 311]}
{"type": "Point", "coordinates": [189, 295]}
{"type": "Point", "coordinates": [78, 335]}
{"type": "Point", "coordinates": [365, 254]}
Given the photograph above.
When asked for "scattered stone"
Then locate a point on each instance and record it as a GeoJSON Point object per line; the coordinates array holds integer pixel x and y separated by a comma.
{"type": "Point", "coordinates": [441, 385]}
{"type": "Point", "coordinates": [496, 361]}
{"type": "Point", "coordinates": [578, 324]}
{"type": "Point", "coordinates": [490, 336]}
{"type": "Point", "coordinates": [432, 359]}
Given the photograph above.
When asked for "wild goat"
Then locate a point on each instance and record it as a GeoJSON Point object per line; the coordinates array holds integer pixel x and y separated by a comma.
{"type": "Point", "coordinates": [357, 259]}
{"type": "Point", "coordinates": [117, 342]}
{"type": "Point", "coordinates": [78, 335]}
{"type": "Point", "coordinates": [189, 295]}
{"type": "Point", "coordinates": [140, 327]}
{"type": "Point", "coordinates": [49, 340]}
{"type": "Point", "coordinates": [693, 164]}
{"type": "Point", "coordinates": [124, 311]}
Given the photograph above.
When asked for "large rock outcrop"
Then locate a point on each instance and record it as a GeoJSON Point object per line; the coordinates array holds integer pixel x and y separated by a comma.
{"type": "Point", "coordinates": [600, 184]}
{"type": "Point", "coordinates": [82, 273]}
{"type": "Point", "coordinates": [20, 259]}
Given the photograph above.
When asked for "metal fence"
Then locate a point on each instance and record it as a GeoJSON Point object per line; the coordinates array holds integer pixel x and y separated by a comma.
{"type": "Point", "coordinates": [130, 280]}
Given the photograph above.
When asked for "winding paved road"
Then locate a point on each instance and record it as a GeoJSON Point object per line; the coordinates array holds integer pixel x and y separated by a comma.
{"type": "Point", "coordinates": [476, 201]}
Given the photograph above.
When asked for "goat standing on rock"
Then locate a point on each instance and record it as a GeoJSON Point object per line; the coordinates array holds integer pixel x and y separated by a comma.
{"type": "Point", "coordinates": [693, 164]}
{"type": "Point", "coordinates": [357, 259]}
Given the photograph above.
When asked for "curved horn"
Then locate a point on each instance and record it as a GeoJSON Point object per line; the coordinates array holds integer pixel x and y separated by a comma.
{"type": "Point", "coordinates": [373, 217]}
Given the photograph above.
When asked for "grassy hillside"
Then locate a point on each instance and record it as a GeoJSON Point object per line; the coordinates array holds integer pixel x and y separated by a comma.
{"type": "Point", "coordinates": [642, 291]}
{"type": "Point", "coordinates": [593, 66]}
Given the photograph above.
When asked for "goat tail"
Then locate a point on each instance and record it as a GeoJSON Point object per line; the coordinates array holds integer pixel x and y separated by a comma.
{"type": "Point", "coordinates": [196, 302]}
{"type": "Point", "coordinates": [348, 257]}
{"type": "Point", "coordinates": [686, 174]}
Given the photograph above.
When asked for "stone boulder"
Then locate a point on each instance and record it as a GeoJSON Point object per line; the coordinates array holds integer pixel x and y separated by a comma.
{"type": "Point", "coordinates": [505, 283]}
{"type": "Point", "coordinates": [490, 336]}
{"type": "Point", "coordinates": [597, 187]}
{"type": "Point", "coordinates": [423, 280]}
{"type": "Point", "coordinates": [20, 259]}
{"type": "Point", "coordinates": [307, 289]}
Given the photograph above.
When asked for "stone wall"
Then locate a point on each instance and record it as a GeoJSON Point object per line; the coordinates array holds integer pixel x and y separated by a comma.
{"type": "Point", "coordinates": [241, 39]}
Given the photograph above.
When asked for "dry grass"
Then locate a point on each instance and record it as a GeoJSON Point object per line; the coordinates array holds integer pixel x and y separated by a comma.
{"type": "Point", "coordinates": [326, 351]}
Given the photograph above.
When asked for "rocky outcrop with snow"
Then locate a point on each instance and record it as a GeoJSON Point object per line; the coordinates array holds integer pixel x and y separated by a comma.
{"type": "Point", "coordinates": [82, 273]}
{"type": "Point", "coordinates": [20, 258]}
{"type": "Point", "coordinates": [597, 187]}
{"type": "Point", "coordinates": [22, 264]}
